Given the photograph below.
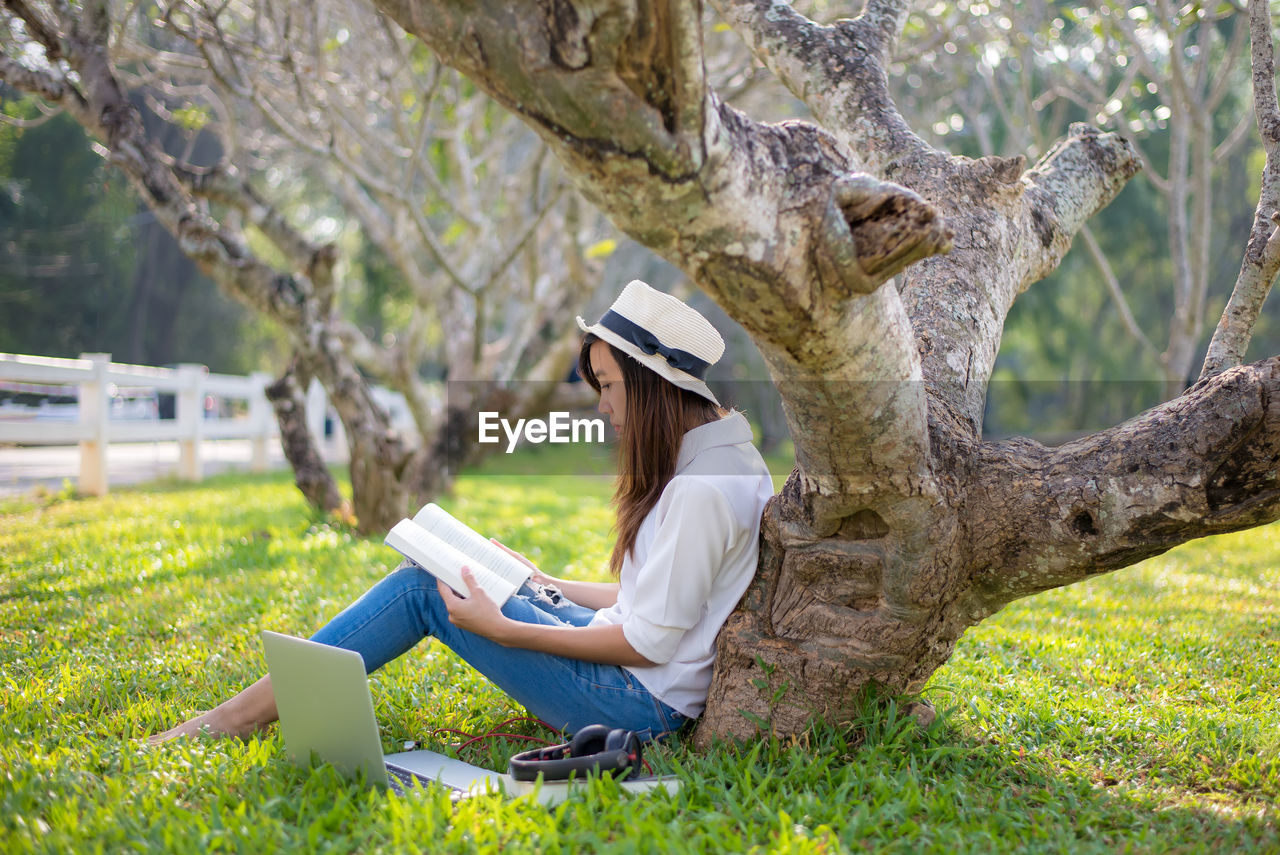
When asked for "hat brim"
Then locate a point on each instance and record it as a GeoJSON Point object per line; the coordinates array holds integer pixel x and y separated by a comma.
{"type": "Point", "coordinates": [652, 361]}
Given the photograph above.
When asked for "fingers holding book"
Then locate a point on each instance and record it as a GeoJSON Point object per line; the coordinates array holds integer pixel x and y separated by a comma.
{"type": "Point", "coordinates": [477, 613]}
{"type": "Point", "coordinates": [513, 553]}
{"type": "Point", "coordinates": [538, 576]}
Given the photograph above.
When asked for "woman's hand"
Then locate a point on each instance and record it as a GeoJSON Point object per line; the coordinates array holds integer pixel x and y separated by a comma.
{"type": "Point", "coordinates": [481, 615]}
{"type": "Point", "coordinates": [538, 576]}
{"type": "Point", "coordinates": [593, 595]}
{"type": "Point", "coordinates": [476, 613]}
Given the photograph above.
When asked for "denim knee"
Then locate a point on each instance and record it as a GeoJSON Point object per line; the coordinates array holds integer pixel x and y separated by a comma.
{"type": "Point", "coordinates": [416, 588]}
{"type": "Point", "coordinates": [408, 576]}
{"type": "Point", "coordinates": [391, 617]}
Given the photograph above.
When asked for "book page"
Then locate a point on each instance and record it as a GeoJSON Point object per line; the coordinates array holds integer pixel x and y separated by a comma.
{"type": "Point", "coordinates": [445, 562]}
{"type": "Point", "coordinates": [443, 525]}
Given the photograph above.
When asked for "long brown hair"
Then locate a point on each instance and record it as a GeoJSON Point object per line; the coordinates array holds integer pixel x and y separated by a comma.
{"type": "Point", "coordinates": [658, 415]}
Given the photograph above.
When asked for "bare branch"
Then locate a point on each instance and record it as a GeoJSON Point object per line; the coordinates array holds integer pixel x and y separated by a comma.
{"type": "Point", "coordinates": [1113, 286]}
{"type": "Point", "coordinates": [1234, 137]}
{"type": "Point", "coordinates": [1180, 77]}
{"type": "Point", "coordinates": [838, 71]}
{"type": "Point", "coordinates": [523, 240]}
{"type": "Point", "coordinates": [1261, 261]}
{"type": "Point", "coordinates": [38, 83]}
{"type": "Point", "coordinates": [1133, 38]}
{"type": "Point", "coordinates": [1221, 84]}
{"type": "Point", "coordinates": [683, 43]}
{"type": "Point", "coordinates": [16, 122]}
{"type": "Point", "coordinates": [1010, 233]}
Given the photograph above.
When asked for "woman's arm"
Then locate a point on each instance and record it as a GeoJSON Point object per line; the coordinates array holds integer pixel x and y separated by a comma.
{"type": "Point", "coordinates": [479, 614]}
{"type": "Point", "coordinates": [592, 595]}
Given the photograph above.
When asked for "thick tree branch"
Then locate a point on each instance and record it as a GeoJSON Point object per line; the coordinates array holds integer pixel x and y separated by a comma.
{"type": "Point", "coordinates": [586, 74]}
{"type": "Point", "coordinates": [769, 220]}
{"type": "Point", "coordinates": [838, 71]}
{"type": "Point", "coordinates": [1012, 228]}
{"type": "Point", "coordinates": [1261, 262]}
{"type": "Point", "coordinates": [880, 26]}
{"type": "Point", "coordinates": [958, 302]}
{"type": "Point", "coordinates": [1234, 137]}
{"type": "Point", "coordinates": [1075, 180]}
{"type": "Point", "coordinates": [871, 229]}
{"type": "Point", "coordinates": [1201, 464]}
{"type": "Point", "coordinates": [37, 83]}
{"type": "Point", "coordinates": [310, 473]}
{"type": "Point", "coordinates": [1223, 73]}
{"type": "Point", "coordinates": [680, 33]}
{"type": "Point", "coordinates": [40, 29]}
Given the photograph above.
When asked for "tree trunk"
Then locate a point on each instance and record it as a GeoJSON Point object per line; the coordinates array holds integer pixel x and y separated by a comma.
{"type": "Point", "coordinates": [824, 619]}
{"type": "Point", "coordinates": [309, 470]}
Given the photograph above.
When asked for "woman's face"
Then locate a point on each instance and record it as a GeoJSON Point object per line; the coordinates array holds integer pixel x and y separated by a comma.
{"type": "Point", "coordinates": [613, 396]}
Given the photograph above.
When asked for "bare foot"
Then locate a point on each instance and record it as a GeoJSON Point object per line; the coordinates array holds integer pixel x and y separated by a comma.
{"type": "Point", "coordinates": [191, 727]}
{"type": "Point", "coordinates": [249, 712]}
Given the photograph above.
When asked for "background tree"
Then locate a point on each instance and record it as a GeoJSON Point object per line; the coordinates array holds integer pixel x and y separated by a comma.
{"type": "Point", "coordinates": [84, 268]}
{"type": "Point", "coordinates": [486, 245]}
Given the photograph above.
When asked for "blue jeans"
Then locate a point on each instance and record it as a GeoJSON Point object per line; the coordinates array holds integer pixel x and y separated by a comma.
{"type": "Point", "coordinates": [405, 607]}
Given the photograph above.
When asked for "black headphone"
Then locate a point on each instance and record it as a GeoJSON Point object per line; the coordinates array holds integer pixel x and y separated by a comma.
{"type": "Point", "coordinates": [610, 751]}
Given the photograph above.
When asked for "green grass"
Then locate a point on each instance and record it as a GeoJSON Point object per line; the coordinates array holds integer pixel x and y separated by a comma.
{"type": "Point", "coordinates": [1135, 712]}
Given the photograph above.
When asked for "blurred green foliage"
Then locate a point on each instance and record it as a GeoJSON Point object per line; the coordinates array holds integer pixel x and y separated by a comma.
{"type": "Point", "coordinates": [84, 268]}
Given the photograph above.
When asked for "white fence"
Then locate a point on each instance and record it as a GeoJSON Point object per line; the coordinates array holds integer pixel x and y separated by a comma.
{"type": "Point", "coordinates": [207, 407]}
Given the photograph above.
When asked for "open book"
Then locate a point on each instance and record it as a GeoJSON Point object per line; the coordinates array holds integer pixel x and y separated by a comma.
{"type": "Point", "coordinates": [439, 544]}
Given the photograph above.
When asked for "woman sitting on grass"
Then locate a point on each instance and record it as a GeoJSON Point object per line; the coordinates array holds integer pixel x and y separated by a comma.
{"type": "Point", "coordinates": [634, 654]}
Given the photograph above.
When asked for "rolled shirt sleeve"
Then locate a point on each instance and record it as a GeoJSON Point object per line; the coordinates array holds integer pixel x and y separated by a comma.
{"type": "Point", "coordinates": [695, 530]}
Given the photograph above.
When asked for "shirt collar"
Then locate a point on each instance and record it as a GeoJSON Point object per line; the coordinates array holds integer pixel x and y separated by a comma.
{"type": "Point", "coordinates": [730, 430]}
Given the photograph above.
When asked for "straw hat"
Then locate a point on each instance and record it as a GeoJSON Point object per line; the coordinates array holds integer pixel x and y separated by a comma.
{"type": "Point", "coordinates": [662, 333]}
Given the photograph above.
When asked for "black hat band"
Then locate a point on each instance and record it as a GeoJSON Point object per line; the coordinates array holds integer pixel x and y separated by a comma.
{"type": "Point", "coordinates": [681, 360]}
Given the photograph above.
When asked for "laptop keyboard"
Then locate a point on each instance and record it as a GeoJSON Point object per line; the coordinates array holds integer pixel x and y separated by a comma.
{"type": "Point", "coordinates": [401, 781]}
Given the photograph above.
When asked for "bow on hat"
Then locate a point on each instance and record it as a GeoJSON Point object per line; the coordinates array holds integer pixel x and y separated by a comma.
{"type": "Point", "coordinates": [681, 360]}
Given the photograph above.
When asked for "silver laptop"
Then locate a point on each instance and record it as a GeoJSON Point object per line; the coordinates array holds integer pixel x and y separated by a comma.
{"type": "Point", "coordinates": [326, 711]}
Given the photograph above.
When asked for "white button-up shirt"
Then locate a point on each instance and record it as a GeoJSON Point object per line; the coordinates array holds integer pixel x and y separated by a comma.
{"type": "Point", "coordinates": [695, 554]}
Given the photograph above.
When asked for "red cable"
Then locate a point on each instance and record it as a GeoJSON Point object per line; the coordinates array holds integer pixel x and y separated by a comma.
{"type": "Point", "coordinates": [471, 739]}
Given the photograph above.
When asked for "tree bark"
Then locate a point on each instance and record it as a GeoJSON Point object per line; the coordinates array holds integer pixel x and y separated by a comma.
{"type": "Point", "coordinates": [310, 473]}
